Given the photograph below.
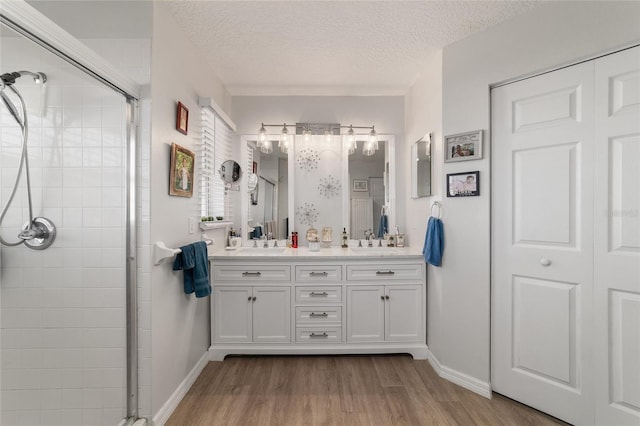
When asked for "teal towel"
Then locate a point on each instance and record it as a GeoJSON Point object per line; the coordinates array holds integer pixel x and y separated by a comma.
{"type": "Point", "coordinates": [194, 261]}
{"type": "Point", "coordinates": [433, 248]}
{"type": "Point", "coordinates": [383, 227]}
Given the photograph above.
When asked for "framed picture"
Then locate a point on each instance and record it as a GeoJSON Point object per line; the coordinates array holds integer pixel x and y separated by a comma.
{"type": "Point", "coordinates": [465, 184]}
{"type": "Point", "coordinates": [181, 175]}
{"type": "Point", "coordinates": [360, 185]}
{"type": "Point", "coordinates": [463, 146]}
{"type": "Point", "coordinates": [182, 119]}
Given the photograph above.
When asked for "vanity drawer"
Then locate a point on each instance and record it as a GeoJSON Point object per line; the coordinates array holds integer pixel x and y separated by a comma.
{"type": "Point", "coordinates": [318, 314]}
{"type": "Point", "coordinates": [251, 273]}
{"type": "Point", "coordinates": [319, 273]}
{"type": "Point", "coordinates": [319, 294]}
{"type": "Point", "coordinates": [318, 334]}
{"type": "Point", "coordinates": [384, 272]}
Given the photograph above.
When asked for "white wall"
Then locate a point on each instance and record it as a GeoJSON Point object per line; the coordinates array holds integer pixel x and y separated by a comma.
{"type": "Point", "coordinates": [385, 112]}
{"type": "Point", "coordinates": [555, 33]}
{"type": "Point", "coordinates": [423, 113]}
{"type": "Point", "coordinates": [180, 323]}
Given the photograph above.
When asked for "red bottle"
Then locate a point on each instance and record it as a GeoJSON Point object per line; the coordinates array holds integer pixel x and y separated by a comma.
{"type": "Point", "coordinates": [294, 240]}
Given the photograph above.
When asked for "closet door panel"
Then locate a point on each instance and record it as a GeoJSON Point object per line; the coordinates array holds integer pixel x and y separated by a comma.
{"type": "Point", "coordinates": [542, 250]}
{"type": "Point", "coordinates": [617, 238]}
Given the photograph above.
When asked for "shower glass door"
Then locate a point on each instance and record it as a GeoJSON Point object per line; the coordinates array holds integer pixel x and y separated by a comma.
{"type": "Point", "coordinates": [63, 317]}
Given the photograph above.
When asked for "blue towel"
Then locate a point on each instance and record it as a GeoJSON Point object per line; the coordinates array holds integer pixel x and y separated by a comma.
{"type": "Point", "coordinates": [383, 228]}
{"type": "Point", "coordinates": [434, 242]}
{"type": "Point", "coordinates": [194, 261]}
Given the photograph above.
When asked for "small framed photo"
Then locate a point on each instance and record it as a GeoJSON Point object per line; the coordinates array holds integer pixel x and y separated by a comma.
{"type": "Point", "coordinates": [360, 185]}
{"type": "Point", "coordinates": [463, 146]}
{"type": "Point", "coordinates": [181, 175]}
{"type": "Point", "coordinates": [182, 119]}
{"type": "Point", "coordinates": [465, 184]}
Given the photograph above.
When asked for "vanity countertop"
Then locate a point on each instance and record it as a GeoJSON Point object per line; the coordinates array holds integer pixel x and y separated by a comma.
{"type": "Point", "coordinates": [303, 253]}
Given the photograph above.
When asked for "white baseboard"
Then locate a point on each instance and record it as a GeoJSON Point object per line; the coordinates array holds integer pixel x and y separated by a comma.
{"type": "Point", "coordinates": [460, 379]}
{"type": "Point", "coordinates": [219, 351]}
{"type": "Point", "coordinates": [167, 409]}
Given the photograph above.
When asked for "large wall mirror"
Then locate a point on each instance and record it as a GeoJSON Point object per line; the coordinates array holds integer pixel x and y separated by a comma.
{"type": "Point", "coordinates": [421, 167]}
{"type": "Point", "coordinates": [265, 192]}
{"type": "Point", "coordinates": [317, 184]}
{"type": "Point", "coordinates": [368, 192]}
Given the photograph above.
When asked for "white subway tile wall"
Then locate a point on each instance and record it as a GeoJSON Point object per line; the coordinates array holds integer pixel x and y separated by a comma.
{"type": "Point", "coordinates": [62, 310]}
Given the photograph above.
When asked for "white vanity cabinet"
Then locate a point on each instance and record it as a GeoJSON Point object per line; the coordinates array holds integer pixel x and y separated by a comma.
{"type": "Point", "coordinates": [384, 313]}
{"type": "Point", "coordinates": [338, 303]}
{"type": "Point", "coordinates": [253, 304]}
{"type": "Point", "coordinates": [252, 314]}
{"type": "Point", "coordinates": [391, 311]}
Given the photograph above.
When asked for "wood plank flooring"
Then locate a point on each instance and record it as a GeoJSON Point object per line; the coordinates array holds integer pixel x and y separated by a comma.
{"type": "Point", "coordinates": [339, 390]}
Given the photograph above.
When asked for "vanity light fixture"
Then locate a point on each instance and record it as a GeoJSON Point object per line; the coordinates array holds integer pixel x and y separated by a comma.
{"type": "Point", "coordinates": [327, 136]}
{"type": "Point", "coordinates": [306, 134]}
{"type": "Point", "coordinates": [262, 136]}
{"type": "Point", "coordinates": [373, 138]}
{"type": "Point", "coordinates": [351, 140]}
{"type": "Point", "coordinates": [284, 140]}
{"type": "Point", "coordinates": [370, 144]}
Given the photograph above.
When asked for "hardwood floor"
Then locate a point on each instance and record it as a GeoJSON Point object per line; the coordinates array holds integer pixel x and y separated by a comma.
{"type": "Point", "coordinates": [339, 390]}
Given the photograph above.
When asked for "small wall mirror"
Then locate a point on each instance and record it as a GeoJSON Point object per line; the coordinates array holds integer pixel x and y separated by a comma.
{"type": "Point", "coordinates": [230, 171]}
{"type": "Point", "coordinates": [421, 167]}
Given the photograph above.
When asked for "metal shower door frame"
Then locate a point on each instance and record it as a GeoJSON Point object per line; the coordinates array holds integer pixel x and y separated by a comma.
{"type": "Point", "coordinates": [34, 26]}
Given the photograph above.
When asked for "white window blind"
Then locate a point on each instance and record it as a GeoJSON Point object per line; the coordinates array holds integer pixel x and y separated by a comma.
{"type": "Point", "coordinates": [215, 149]}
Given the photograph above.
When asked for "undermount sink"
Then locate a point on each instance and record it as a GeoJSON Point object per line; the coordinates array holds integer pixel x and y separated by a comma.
{"type": "Point", "coordinates": [374, 249]}
{"type": "Point", "coordinates": [262, 250]}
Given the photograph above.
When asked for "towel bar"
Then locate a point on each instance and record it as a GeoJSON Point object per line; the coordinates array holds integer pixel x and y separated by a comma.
{"type": "Point", "coordinates": [439, 206]}
{"type": "Point", "coordinates": [161, 251]}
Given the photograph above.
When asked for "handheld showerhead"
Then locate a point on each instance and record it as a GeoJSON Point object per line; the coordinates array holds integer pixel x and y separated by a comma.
{"type": "Point", "coordinates": [38, 77]}
{"type": "Point", "coordinates": [10, 78]}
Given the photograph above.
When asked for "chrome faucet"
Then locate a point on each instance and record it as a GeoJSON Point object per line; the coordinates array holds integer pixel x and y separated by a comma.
{"type": "Point", "coordinates": [370, 238]}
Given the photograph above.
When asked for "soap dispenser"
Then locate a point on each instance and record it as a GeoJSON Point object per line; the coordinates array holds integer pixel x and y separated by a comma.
{"type": "Point", "coordinates": [345, 238]}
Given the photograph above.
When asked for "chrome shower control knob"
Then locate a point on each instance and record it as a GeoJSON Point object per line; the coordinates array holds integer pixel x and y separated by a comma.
{"type": "Point", "coordinates": [39, 234]}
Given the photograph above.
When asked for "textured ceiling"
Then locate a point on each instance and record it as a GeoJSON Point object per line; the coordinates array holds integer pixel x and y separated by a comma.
{"type": "Point", "coordinates": [330, 47]}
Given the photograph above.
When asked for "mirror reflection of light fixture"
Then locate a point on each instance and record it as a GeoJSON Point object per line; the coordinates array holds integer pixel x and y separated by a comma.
{"type": "Point", "coordinates": [267, 147]}
{"type": "Point", "coordinates": [368, 149]}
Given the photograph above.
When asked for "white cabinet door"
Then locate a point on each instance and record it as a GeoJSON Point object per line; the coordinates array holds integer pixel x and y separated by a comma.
{"type": "Point", "coordinates": [617, 238]}
{"type": "Point", "coordinates": [542, 250]}
{"type": "Point", "coordinates": [271, 314]}
{"type": "Point", "coordinates": [403, 313]}
{"type": "Point", "coordinates": [365, 313]}
{"type": "Point", "coordinates": [232, 314]}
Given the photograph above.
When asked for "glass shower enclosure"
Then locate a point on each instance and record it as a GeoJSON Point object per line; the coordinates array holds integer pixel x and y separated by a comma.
{"type": "Point", "coordinates": [63, 309]}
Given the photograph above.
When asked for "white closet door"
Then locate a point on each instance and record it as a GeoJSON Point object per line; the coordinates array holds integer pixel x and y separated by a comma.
{"type": "Point", "coordinates": [542, 249]}
{"type": "Point", "coordinates": [617, 238]}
